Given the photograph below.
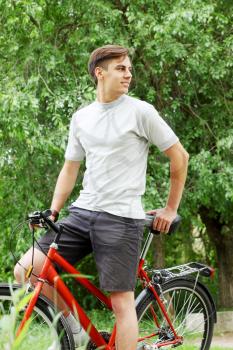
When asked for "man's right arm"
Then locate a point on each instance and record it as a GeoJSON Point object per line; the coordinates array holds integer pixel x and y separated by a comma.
{"type": "Point", "coordinates": [65, 184]}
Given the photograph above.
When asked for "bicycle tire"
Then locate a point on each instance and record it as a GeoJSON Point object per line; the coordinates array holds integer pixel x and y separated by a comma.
{"type": "Point", "coordinates": [190, 309]}
{"type": "Point", "coordinates": [47, 327]}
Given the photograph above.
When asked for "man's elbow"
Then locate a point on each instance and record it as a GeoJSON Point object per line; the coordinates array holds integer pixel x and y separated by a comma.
{"type": "Point", "coordinates": [186, 156]}
{"type": "Point", "coordinates": [177, 154]}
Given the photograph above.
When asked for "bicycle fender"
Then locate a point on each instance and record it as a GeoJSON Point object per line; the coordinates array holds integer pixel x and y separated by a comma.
{"type": "Point", "coordinates": [16, 286]}
{"type": "Point", "coordinates": [141, 296]}
{"type": "Point", "coordinates": [211, 300]}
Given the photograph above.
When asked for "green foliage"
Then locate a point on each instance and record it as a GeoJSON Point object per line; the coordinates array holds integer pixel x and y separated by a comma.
{"type": "Point", "coordinates": [182, 57]}
{"type": "Point", "coordinates": [213, 170]}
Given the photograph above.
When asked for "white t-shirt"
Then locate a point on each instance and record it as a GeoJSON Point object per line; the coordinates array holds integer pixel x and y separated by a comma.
{"type": "Point", "coordinates": [115, 137]}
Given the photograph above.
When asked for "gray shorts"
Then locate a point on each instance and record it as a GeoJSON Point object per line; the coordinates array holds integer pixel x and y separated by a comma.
{"type": "Point", "coordinates": [114, 240]}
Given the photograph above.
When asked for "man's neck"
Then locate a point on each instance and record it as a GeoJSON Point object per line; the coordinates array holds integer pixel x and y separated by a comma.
{"type": "Point", "coordinates": [104, 97]}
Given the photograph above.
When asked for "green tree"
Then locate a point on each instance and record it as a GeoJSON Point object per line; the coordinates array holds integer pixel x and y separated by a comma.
{"type": "Point", "coordinates": [182, 56]}
{"type": "Point", "coordinates": [185, 53]}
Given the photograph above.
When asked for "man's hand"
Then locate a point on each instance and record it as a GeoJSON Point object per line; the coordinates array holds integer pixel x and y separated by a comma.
{"type": "Point", "coordinates": [164, 218]}
{"type": "Point", "coordinates": [53, 218]}
{"type": "Point", "coordinates": [35, 226]}
{"type": "Point", "coordinates": [39, 226]}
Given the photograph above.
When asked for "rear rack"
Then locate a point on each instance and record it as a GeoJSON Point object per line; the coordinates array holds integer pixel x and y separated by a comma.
{"type": "Point", "coordinates": [164, 275]}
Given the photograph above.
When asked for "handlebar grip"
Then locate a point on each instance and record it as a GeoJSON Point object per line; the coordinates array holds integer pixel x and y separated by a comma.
{"type": "Point", "coordinates": [173, 228]}
{"type": "Point", "coordinates": [46, 213]}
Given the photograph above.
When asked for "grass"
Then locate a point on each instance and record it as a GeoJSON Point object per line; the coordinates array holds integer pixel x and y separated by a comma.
{"type": "Point", "coordinates": [190, 347]}
{"type": "Point", "coordinates": [103, 318]}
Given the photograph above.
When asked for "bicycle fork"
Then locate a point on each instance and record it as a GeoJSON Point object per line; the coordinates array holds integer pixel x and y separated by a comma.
{"type": "Point", "coordinates": [37, 291]}
{"type": "Point", "coordinates": [30, 306]}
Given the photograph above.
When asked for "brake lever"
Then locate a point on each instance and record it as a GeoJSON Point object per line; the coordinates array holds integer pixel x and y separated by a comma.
{"type": "Point", "coordinates": [38, 218]}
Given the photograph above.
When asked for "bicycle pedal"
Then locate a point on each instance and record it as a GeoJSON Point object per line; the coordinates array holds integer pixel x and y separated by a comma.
{"type": "Point", "coordinates": [144, 346]}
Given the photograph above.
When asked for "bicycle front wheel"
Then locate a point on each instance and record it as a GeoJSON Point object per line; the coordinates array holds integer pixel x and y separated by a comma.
{"type": "Point", "coordinates": [45, 330]}
{"type": "Point", "coordinates": [190, 310]}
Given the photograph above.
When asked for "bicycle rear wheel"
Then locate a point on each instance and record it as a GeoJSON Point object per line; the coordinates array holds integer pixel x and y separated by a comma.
{"type": "Point", "coordinates": [45, 330]}
{"type": "Point", "coordinates": [189, 308]}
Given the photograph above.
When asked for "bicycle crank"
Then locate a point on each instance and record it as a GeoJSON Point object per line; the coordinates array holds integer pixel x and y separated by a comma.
{"type": "Point", "coordinates": [92, 346]}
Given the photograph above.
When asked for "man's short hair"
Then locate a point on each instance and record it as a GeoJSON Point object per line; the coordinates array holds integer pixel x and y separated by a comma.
{"type": "Point", "coordinates": [102, 54]}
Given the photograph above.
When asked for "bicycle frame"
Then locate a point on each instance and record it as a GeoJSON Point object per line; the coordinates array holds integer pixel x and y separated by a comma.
{"type": "Point", "coordinates": [50, 275]}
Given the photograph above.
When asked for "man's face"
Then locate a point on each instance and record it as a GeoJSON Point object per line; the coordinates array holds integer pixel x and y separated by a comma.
{"type": "Point", "coordinates": [117, 76]}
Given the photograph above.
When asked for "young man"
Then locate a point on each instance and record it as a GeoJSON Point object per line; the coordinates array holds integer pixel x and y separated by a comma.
{"type": "Point", "coordinates": [113, 134]}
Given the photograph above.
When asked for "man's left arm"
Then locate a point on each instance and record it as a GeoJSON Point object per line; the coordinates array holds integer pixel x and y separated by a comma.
{"type": "Point", "coordinates": [178, 173]}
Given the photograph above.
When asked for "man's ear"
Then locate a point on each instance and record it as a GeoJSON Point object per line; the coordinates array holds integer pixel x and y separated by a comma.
{"type": "Point", "coordinates": [99, 73]}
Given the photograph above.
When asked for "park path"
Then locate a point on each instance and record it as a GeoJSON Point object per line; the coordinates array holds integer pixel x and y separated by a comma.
{"type": "Point", "coordinates": [223, 341]}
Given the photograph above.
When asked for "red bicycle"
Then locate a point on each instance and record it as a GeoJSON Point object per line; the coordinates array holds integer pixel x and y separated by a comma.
{"type": "Point", "coordinates": [173, 309]}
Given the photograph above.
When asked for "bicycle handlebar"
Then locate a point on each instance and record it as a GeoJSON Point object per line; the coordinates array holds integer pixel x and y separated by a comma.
{"type": "Point", "coordinates": [39, 217]}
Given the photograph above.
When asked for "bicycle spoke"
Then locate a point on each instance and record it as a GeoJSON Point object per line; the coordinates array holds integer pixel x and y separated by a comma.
{"type": "Point", "coordinates": [188, 312]}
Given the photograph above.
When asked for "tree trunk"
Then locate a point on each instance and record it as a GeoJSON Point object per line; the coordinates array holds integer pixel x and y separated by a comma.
{"type": "Point", "coordinates": [223, 243]}
{"type": "Point", "coordinates": [159, 256]}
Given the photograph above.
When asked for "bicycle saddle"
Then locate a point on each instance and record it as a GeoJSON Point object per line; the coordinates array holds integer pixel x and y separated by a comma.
{"type": "Point", "coordinates": [173, 228]}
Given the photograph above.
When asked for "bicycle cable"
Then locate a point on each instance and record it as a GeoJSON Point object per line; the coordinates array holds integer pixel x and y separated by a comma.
{"type": "Point", "coordinates": [34, 240]}
{"type": "Point", "coordinates": [10, 242]}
